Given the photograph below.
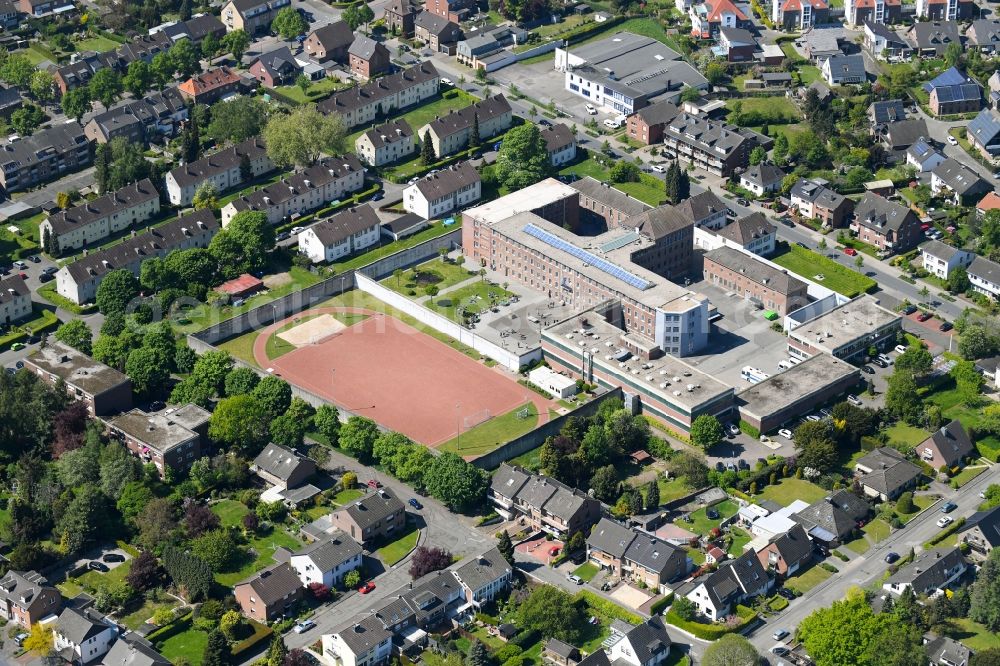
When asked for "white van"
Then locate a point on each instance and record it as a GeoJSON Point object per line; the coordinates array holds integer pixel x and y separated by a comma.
{"type": "Point", "coordinates": [612, 123]}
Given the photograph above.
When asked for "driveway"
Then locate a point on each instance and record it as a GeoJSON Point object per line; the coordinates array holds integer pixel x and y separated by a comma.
{"type": "Point", "coordinates": [540, 549]}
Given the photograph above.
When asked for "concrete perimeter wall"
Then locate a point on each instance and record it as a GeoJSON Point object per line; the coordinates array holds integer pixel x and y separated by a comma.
{"type": "Point", "coordinates": [467, 337]}
{"type": "Point", "coordinates": [537, 437]}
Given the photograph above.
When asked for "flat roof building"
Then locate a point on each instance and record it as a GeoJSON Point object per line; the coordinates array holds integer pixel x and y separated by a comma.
{"type": "Point", "coordinates": [102, 388]}
{"type": "Point", "coordinates": [787, 395]}
{"type": "Point", "coordinates": [167, 440]}
{"type": "Point", "coordinates": [847, 331]}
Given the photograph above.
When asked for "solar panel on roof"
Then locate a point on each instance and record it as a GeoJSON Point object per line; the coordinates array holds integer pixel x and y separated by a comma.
{"type": "Point", "coordinates": [587, 257]}
{"type": "Point", "coordinates": [621, 241]}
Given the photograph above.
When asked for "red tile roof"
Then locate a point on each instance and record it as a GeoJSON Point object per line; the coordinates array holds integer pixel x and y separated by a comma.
{"type": "Point", "coordinates": [990, 202]}
{"type": "Point", "coordinates": [719, 7]}
{"type": "Point", "coordinates": [241, 285]}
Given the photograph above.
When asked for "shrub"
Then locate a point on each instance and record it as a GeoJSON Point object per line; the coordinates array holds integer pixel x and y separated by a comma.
{"type": "Point", "coordinates": [828, 567]}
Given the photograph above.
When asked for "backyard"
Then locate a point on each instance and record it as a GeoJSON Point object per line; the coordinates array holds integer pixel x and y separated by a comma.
{"type": "Point", "coordinates": [316, 90]}
{"type": "Point", "coordinates": [394, 551]}
{"type": "Point", "coordinates": [185, 647]}
{"type": "Point", "coordinates": [450, 100]}
{"type": "Point", "coordinates": [906, 434]}
{"type": "Point", "coordinates": [701, 524]}
{"type": "Point", "coordinates": [490, 434]}
{"type": "Point", "coordinates": [649, 190]}
{"type": "Point", "coordinates": [97, 43]}
{"type": "Point", "coordinates": [260, 550]}
{"type": "Point", "coordinates": [791, 489]}
{"type": "Point", "coordinates": [773, 108]}
{"type": "Point", "coordinates": [823, 270]}
{"type": "Point", "coordinates": [872, 533]}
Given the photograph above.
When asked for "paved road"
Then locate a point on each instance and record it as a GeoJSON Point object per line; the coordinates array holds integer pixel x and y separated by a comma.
{"type": "Point", "coordinates": [442, 528]}
{"type": "Point", "coordinates": [865, 570]}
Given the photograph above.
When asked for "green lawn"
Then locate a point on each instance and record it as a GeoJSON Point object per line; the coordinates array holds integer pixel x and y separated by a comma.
{"type": "Point", "coordinates": [672, 489]}
{"type": "Point", "coordinates": [138, 617]}
{"type": "Point", "coordinates": [241, 347]}
{"type": "Point", "coordinates": [966, 475]}
{"type": "Point", "coordinates": [649, 190]}
{"type": "Point", "coordinates": [395, 551]}
{"type": "Point", "coordinates": [263, 547]}
{"type": "Point", "coordinates": [808, 579]}
{"type": "Point", "coordinates": [230, 512]}
{"type": "Point", "coordinates": [97, 43]}
{"type": "Point", "coordinates": [972, 634]}
{"type": "Point", "coordinates": [357, 261]}
{"type": "Point", "coordinates": [791, 489]}
{"type": "Point", "coordinates": [906, 434]}
{"type": "Point", "coordinates": [952, 406]}
{"type": "Point", "coordinates": [877, 530]}
{"type": "Point", "coordinates": [187, 646]}
{"type": "Point", "coordinates": [529, 460]}
{"type": "Point", "coordinates": [740, 539]}
{"type": "Point", "coordinates": [809, 74]}
{"type": "Point", "coordinates": [490, 434]}
{"type": "Point", "coordinates": [474, 297]}
{"type": "Point", "coordinates": [920, 503]}
{"type": "Point", "coordinates": [859, 545]}
{"type": "Point", "coordinates": [347, 496]}
{"type": "Point", "coordinates": [702, 524]}
{"type": "Point", "coordinates": [316, 91]}
{"type": "Point", "coordinates": [587, 571]}
{"type": "Point", "coordinates": [450, 100]}
{"type": "Point", "coordinates": [770, 106]}
{"type": "Point", "coordinates": [441, 274]}
{"type": "Point", "coordinates": [811, 265]}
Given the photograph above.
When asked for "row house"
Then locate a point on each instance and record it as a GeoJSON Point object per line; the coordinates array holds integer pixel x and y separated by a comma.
{"type": "Point", "coordinates": [946, 10]}
{"type": "Point", "coordinates": [77, 74]}
{"type": "Point", "coordinates": [813, 200]}
{"type": "Point", "coordinates": [545, 503]}
{"type": "Point", "coordinates": [171, 442]}
{"type": "Point", "coordinates": [101, 388]}
{"type": "Point", "coordinates": [225, 170]}
{"type": "Point", "coordinates": [708, 17]}
{"type": "Point", "coordinates": [328, 180]}
{"type": "Point", "coordinates": [329, 42]}
{"type": "Point", "coordinates": [93, 221]}
{"type": "Point", "coordinates": [399, 17]}
{"type": "Point", "coordinates": [454, 131]}
{"type": "Point", "coordinates": [195, 29]}
{"type": "Point", "coordinates": [872, 12]}
{"type": "Point", "coordinates": [78, 281]}
{"type": "Point", "coordinates": [381, 97]}
{"type": "Point", "coordinates": [346, 233]}
{"type": "Point", "coordinates": [444, 192]}
{"type": "Point", "coordinates": [888, 226]}
{"type": "Point", "coordinates": [984, 276]}
{"type": "Point", "coordinates": [270, 594]}
{"type": "Point", "coordinates": [884, 43]}
{"type": "Point", "coordinates": [252, 16]}
{"type": "Point", "coordinates": [139, 121]}
{"type": "Point", "coordinates": [368, 58]}
{"type": "Point", "coordinates": [631, 555]}
{"type": "Point", "coordinates": [45, 155]}
{"type": "Point", "coordinates": [798, 15]}
{"type": "Point", "coordinates": [83, 635]}
{"type": "Point", "coordinates": [386, 144]}
{"type": "Point", "coordinates": [647, 124]}
{"type": "Point", "coordinates": [958, 183]}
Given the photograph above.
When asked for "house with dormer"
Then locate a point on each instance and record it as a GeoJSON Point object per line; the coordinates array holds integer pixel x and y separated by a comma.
{"type": "Point", "coordinates": [546, 504]}
{"type": "Point", "coordinates": [82, 636]}
{"type": "Point", "coordinates": [948, 446]}
{"type": "Point", "coordinates": [327, 560]}
{"type": "Point", "coordinates": [929, 571]}
{"type": "Point", "coordinates": [485, 577]}
{"type": "Point", "coordinates": [26, 597]}
{"type": "Point", "coordinates": [717, 594]}
{"type": "Point", "coordinates": [886, 225]}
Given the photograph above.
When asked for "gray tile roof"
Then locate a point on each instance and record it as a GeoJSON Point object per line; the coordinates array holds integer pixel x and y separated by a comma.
{"type": "Point", "coordinates": [748, 228]}
{"type": "Point", "coordinates": [564, 650]}
{"type": "Point", "coordinates": [273, 583]}
{"type": "Point", "coordinates": [649, 640]}
{"type": "Point", "coordinates": [129, 196]}
{"type": "Point", "coordinates": [738, 36]}
{"type": "Point", "coordinates": [764, 174]}
{"type": "Point", "coordinates": [447, 181]}
{"type": "Point", "coordinates": [846, 67]}
{"type": "Point", "coordinates": [985, 269]}
{"type": "Point", "coordinates": [18, 585]}
{"type": "Point", "coordinates": [658, 222]}
{"type": "Point", "coordinates": [951, 442]}
{"type": "Point", "coordinates": [890, 470]}
{"type": "Point", "coordinates": [557, 137]}
{"type": "Point", "coordinates": [373, 91]}
{"type": "Point", "coordinates": [927, 570]}
{"type": "Point", "coordinates": [612, 198]}
{"type": "Point", "coordinates": [905, 132]}
{"type": "Point", "coordinates": [281, 461]}
{"type": "Point", "coordinates": [960, 178]}
{"type": "Point", "coordinates": [701, 206]}
{"type": "Point", "coordinates": [37, 148]}
{"type": "Point", "coordinates": [363, 635]}
{"type": "Point", "coordinates": [334, 35]}
{"type": "Point", "coordinates": [988, 522]}
{"type": "Point", "coordinates": [77, 626]}
{"type": "Point", "coordinates": [706, 135]}
{"type": "Point", "coordinates": [219, 162]}
{"type": "Point", "coordinates": [936, 248]}
{"type": "Point", "coordinates": [12, 287]}
{"type": "Point", "coordinates": [659, 113]}
{"type": "Point", "coordinates": [314, 177]}
{"type": "Point", "coordinates": [655, 554]}
{"type": "Point", "coordinates": [438, 25]}
{"type": "Point", "coordinates": [935, 35]}
{"type": "Point", "coordinates": [373, 507]}
{"type": "Point", "coordinates": [153, 242]}
{"type": "Point", "coordinates": [508, 480]}
{"type": "Point", "coordinates": [878, 213]}
{"type": "Point", "coordinates": [463, 119]}
{"type": "Point", "coordinates": [279, 63]}
{"type": "Point", "coordinates": [921, 150]}
{"type": "Point", "coordinates": [756, 270]}
{"type": "Point", "coordinates": [389, 133]}
{"type": "Point", "coordinates": [367, 48]}
{"type": "Point", "coordinates": [133, 650]}
{"type": "Point", "coordinates": [611, 538]}
{"type": "Point", "coordinates": [330, 552]}
{"type": "Point", "coordinates": [345, 224]}
{"type": "Point", "coordinates": [837, 514]}
{"type": "Point", "coordinates": [794, 545]}
{"type": "Point", "coordinates": [480, 571]}
{"type": "Point", "coordinates": [943, 650]}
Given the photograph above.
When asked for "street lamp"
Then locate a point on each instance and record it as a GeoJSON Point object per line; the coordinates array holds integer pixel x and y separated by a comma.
{"type": "Point", "coordinates": [458, 425]}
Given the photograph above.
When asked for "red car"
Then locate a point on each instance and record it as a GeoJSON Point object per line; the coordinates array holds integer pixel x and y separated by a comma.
{"type": "Point", "coordinates": [366, 588]}
{"type": "Point", "coordinates": [925, 227]}
{"type": "Point", "coordinates": [23, 276]}
{"type": "Point", "coordinates": [924, 316]}
{"type": "Point", "coordinates": [850, 251]}
{"type": "Point", "coordinates": [554, 550]}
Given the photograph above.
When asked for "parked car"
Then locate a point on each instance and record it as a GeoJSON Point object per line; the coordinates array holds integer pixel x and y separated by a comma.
{"type": "Point", "coordinates": [880, 363]}
{"type": "Point", "coordinates": [17, 346]}
{"type": "Point", "coordinates": [952, 140]}
{"type": "Point", "coordinates": [35, 259]}
{"type": "Point", "coordinates": [304, 626]}
{"type": "Point", "coordinates": [20, 265]}
{"type": "Point", "coordinates": [98, 566]}
{"type": "Point", "coordinates": [45, 277]}
{"type": "Point", "coordinates": [900, 349]}
{"type": "Point", "coordinates": [743, 464]}
{"type": "Point", "coordinates": [297, 230]}
{"type": "Point", "coordinates": [415, 504]}
{"type": "Point", "coordinates": [891, 557]}
{"type": "Point", "coordinates": [367, 587]}
{"type": "Point", "coordinates": [378, 196]}
{"type": "Point", "coordinates": [945, 521]}
{"type": "Point", "coordinates": [780, 650]}
{"type": "Point", "coordinates": [283, 236]}
{"type": "Point", "coordinates": [732, 429]}
{"type": "Point", "coordinates": [786, 594]}
{"type": "Point", "coordinates": [779, 634]}
{"type": "Point", "coordinates": [946, 326]}
{"type": "Point", "coordinates": [883, 357]}
{"type": "Point", "coordinates": [656, 168]}
{"type": "Point", "coordinates": [50, 270]}
{"type": "Point", "coordinates": [574, 579]}
{"type": "Point", "coordinates": [854, 400]}
{"type": "Point", "coordinates": [868, 370]}
{"type": "Point", "coordinates": [720, 466]}
{"type": "Point", "coordinates": [948, 507]}
{"type": "Point", "coordinates": [813, 417]}
{"type": "Point", "coordinates": [909, 309]}
{"type": "Point", "coordinates": [445, 81]}
{"type": "Point", "coordinates": [786, 433]}
{"type": "Point", "coordinates": [743, 202]}
{"type": "Point", "coordinates": [924, 316]}
{"type": "Point", "coordinates": [113, 557]}
{"type": "Point", "coordinates": [554, 550]}
{"type": "Point", "coordinates": [591, 110]}
{"type": "Point", "coordinates": [850, 251]}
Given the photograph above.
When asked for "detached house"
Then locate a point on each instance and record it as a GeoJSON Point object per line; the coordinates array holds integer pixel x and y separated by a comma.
{"type": "Point", "coordinates": [708, 17]}
{"type": "Point", "coordinates": [367, 57]}
{"type": "Point", "coordinates": [211, 86]}
{"type": "Point", "coordinates": [839, 70]}
{"type": "Point", "coordinates": [440, 34]}
{"type": "Point", "coordinates": [948, 446]}
{"type": "Point", "coordinates": [275, 68]}
{"type": "Point", "coordinates": [832, 520]}
{"type": "Point", "coordinates": [287, 472]}
{"type": "Point", "coordinates": [372, 517]}
{"type": "Point", "coordinates": [959, 183]}
{"type": "Point", "coordinates": [399, 16]}
{"type": "Point", "coordinates": [883, 42]}
{"type": "Point", "coordinates": [81, 636]}
{"type": "Point", "coordinates": [386, 144]}
{"type": "Point", "coordinates": [814, 200]}
{"type": "Point", "coordinates": [717, 594]}
{"type": "Point", "coordinates": [887, 225]}
{"type": "Point", "coordinates": [270, 594]}
{"type": "Point", "coordinates": [15, 299]}
{"type": "Point", "coordinates": [930, 571]}
{"type": "Point", "coordinates": [885, 474]}
{"type": "Point", "coordinates": [646, 125]}
{"type": "Point", "coordinates": [453, 132]}
{"type": "Point", "coordinates": [560, 144]}
{"type": "Point", "coordinates": [545, 503]}
{"type": "Point", "coordinates": [484, 577]}
{"type": "Point", "coordinates": [983, 133]}
{"type": "Point", "coordinates": [931, 38]}
{"type": "Point", "coordinates": [253, 16]}
{"type": "Point", "coordinates": [762, 179]}
{"type": "Point", "coordinates": [940, 259]}
{"type": "Point", "coordinates": [923, 157]}
{"type": "Point", "coordinates": [349, 231]}
{"type": "Point", "coordinates": [953, 92]}
{"type": "Point", "coordinates": [787, 553]}
{"type": "Point", "coordinates": [329, 42]}
{"type": "Point", "coordinates": [26, 597]}
{"type": "Point", "coordinates": [441, 193]}
{"type": "Point", "coordinates": [946, 651]}
{"type": "Point", "coordinates": [327, 560]}
{"type": "Point", "coordinates": [981, 532]}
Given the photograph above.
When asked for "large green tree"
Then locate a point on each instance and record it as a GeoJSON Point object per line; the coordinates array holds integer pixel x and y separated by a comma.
{"type": "Point", "coordinates": [149, 369]}
{"type": "Point", "coordinates": [901, 398]}
{"type": "Point", "coordinates": [243, 245]}
{"type": "Point", "coordinates": [289, 23]}
{"type": "Point", "coordinates": [240, 422]}
{"type": "Point", "coordinates": [118, 288]}
{"type": "Point", "coordinates": [985, 597]}
{"type": "Point", "coordinates": [298, 138]}
{"type": "Point", "coordinates": [77, 335]}
{"type": "Point", "coordinates": [358, 436]}
{"type": "Point", "coordinates": [706, 432]}
{"type": "Point", "coordinates": [105, 86]}
{"type": "Point", "coordinates": [730, 650]}
{"type": "Point", "coordinates": [815, 445]}
{"type": "Point", "coordinates": [553, 613]}
{"type": "Point", "coordinates": [238, 120]}
{"type": "Point", "coordinates": [523, 158]}
{"type": "Point", "coordinates": [843, 632]}
{"type": "Point", "coordinates": [455, 482]}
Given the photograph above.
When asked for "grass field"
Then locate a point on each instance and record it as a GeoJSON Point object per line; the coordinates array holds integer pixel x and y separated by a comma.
{"type": "Point", "coordinates": [275, 346]}
{"type": "Point", "coordinates": [812, 266]}
{"type": "Point", "coordinates": [791, 489]}
{"type": "Point", "coordinates": [97, 43]}
{"type": "Point", "coordinates": [740, 539]}
{"type": "Point", "coordinates": [441, 274]}
{"type": "Point", "coordinates": [702, 524]}
{"type": "Point", "coordinates": [187, 647]}
{"type": "Point", "coordinates": [316, 91]}
{"type": "Point", "coordinates": [966, 475]}
{"type": "Point", "coordinates": [672, 489]}
{"type": "Point", "coordinates": [473, 297]}
{"type": "Point", "coordinates": [973, 634]}
{"type": "Point", "coordinates": [230, 512]}
{"type": "Point", "coordinates": [263, 547]}
{"type": "Point", "coordinates": [450, 100]}
{"type": "Point", "coordinates": [906, 434]}
{"type": "Point", "coordinates": [346, 496]}
{"type": "Point", "coordinates": [649, 190]}
{"type": "Point", "coordinates": [138, 617]}
{"type": "Point", "coordinates": [395, 551]}
{"type": "Point", "coordinates": [808, 579]}
{"type": "Point", "coordinates": [489, 435]}
{"type": "Point", "coordinates": [772, 106]}
{"type": "Point", "coordinates": [587, 571]}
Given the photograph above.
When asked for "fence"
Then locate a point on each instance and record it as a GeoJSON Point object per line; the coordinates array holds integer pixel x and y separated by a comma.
{"type": "Point", "coordinates": [467, 337]}
{"type": "Point", "coordinates": [536, 437]}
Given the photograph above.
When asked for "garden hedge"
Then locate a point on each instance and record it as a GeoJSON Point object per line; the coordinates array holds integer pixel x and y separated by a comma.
{"type": "Point", "coordinates": [712, 632]}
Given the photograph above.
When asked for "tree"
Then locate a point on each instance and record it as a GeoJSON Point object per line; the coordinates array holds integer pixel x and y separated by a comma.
{"type": "Point", "coordinates": [76, 334]}
{"type": "Point", "coordinates": [968, 382]}
{"type": "Point", "coordinates": [904, 504]}
{"type": "Point", "coordinates": [652, 495]}
{"type": "Point", "coordinates": [243, 245]}
{"type": "Point", "coordinates": [40, 640]}
{"type": "Point", "coordinates": [604, 483]}
{"type": "Point", "coordinates": [757, 155]}
{"type": "Point", "coordinates": [42, 85]}
{"type": "Point", "coordinates": [217, 548]}
{"type": "Point", "coordinates": [551, 612]}
{"type": "Point", "coordinates": [352, 579]}
{"type": "Point", "coordinates": [506, 547]}
{"type": "Point", "coordinates": [387, 447]}
{"type": "Point", "coordinates": [120, 163]}
{"type": "Point", "coordinates": [118, 288]}
{"type": "Point", "coordinates": [474, 136]}
{"type": "Point", "coordinates": [26, 120]}
{"type": "Point", "coordinates": [236, 43]}
{"type": "Point", "coordinates": [842, 633]}
{"type": "Point", "coordinates": [672, 183]}
{"type": "Point", "coordinates": [139, 78]}
{"type": "Point", "coordinates": [901, 398]}
{"type": "Point", "coordinates": [624, 172]}
{"type": "Point", "coordinates": [134, 498]}
{"type": "Point", "coordinates": [84, 518]}
{"type": "Point", "coordinates": [216, 650]}
{"type": "Point", "coordinates": [730, 650]}
{"type": "Point", "coordinates": [352, 17]}
{"type": "Point", "coordinates": [240, 421]}
{"type": "Point", "coordinates": [148, 369]}
{"type": "Point", "coordinates": [241, 381]}
{"type": "Point", "coordinates": [953, 54]}
{"type": "Point", "coordinates": [426, 560]}
{"type": "Point", "coordinates": [16, 70]}
{"type": "Point", "coordinates": [191, 140]}
{"type": "Point", "coordinates": [915, 360]}
{"type": "Point", "coordinates": [105, 86]}
{"type": "Point", "coordinates": [327, 422]}
{"type": "Point", "coordinates": [523, 158]}
{"type": "Point", "coordinates": [157, 525]}
{"type": "Point", "coordinates": [277, 651]}
{"type": "Point", "coordinates": [366, 14]}
{"type": "Point", "coordinates": [288, 430]}
{"type": "Point", "coordinates": [815, 446]}
{"type": "Point", "coordinates": [985, 596]}
{"type": "Point", "coordinates": [715, 72]}
{"type": "Point", "coordinates": [990, 657]}
{"type": "Point", "coordinates": [683, 608]}
{"type": "Point", "coordinates": [289, 23]}
{"type": "Point", "coordinates": [977, 342]}
{"type": "Point", "coordinates": [186, 58]}
{"type": "Point", "coordinates": [427, 154]}
{"type": "Point", "coordinates": [69, 427]}
{"type": "Point", "coordinates": [458, 484]}
{"type": "Point", "coordinates": [145, 573]}
{"type": "Point", "coordinates": [206, 197]}
{"type": "Point", "coordinates": [274, 395]}
{"type": "Point", "coordinates": [237, 120]}
{"type": "Point", "coordinates": [706, 431]}
{"type": "Point", "coordinates": [691, 467]}
{"type": "Point", "coordinates": [301, 136]}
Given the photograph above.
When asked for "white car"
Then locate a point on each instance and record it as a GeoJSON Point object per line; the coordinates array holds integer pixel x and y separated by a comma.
{"type": "Point", "coordinates": [656, 168]}
{"type": "Point", "coordinates": [732, 430]}
{"type": "Point", "coordinates": [854, 400]}
{"type": "Point", "coordinates": [297, 230]}
{"type": "Point", "coordinates": [779, 634]}
{"type": "Point", "coordinates": [945, 521]}
{"type": "Point", "coordinates": [445, 81]}
{"type": "Point", "coordinates": [813, 417]}
{"type": "Point", "coordinates": [304, 626]}
{"type": "Point", "coordinates": [787, 434]}
{"type": "Point", "coordinates": [900, 349]}
{"type": "Point", "coordinates": [952, 140]}
{"type": "Point", "coordinates": [591, 110]}
{"type": "Point", "coordinates": [574, 579]}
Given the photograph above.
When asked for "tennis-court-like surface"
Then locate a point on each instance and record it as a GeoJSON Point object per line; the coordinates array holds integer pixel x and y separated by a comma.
{"type": "Point", "coordinates": [390, 372]}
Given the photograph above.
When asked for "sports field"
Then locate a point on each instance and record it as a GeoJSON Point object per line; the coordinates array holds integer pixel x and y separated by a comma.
{"type": "Point", "coordinates": [386, 370]}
